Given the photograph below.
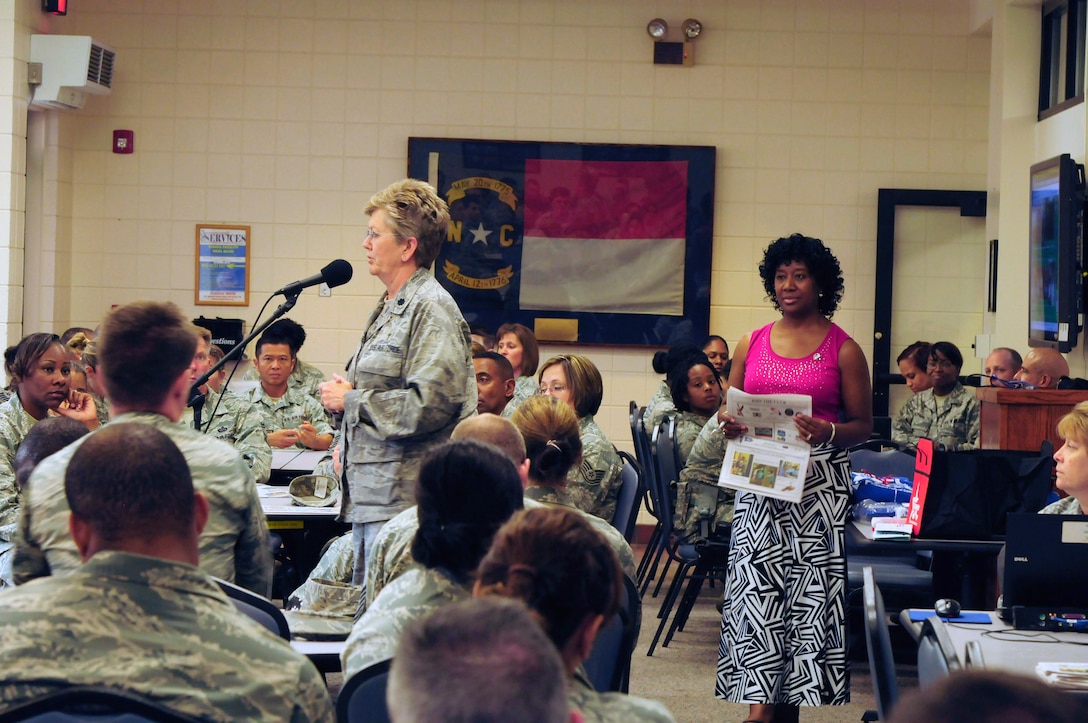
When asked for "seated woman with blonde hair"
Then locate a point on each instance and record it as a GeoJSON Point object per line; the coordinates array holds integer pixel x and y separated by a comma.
{"type": "Point", "coordinates": [1071, 464]}
{"type": "Point", "coordinates": [554, 562]}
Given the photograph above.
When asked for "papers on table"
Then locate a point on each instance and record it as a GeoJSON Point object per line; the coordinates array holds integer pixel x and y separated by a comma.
{"type": "Point", "coordinates": [771, 459]}
{"type": "Point", "coordinates": [891, 528]}
{"type": "Point", "coordinates": [1072, 676]}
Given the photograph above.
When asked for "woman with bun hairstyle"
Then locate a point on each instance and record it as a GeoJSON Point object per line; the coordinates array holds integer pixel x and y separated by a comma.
{"type": "Point", "coordinates": [661, 404]}
{"type": "Point", "coordinates": [465, 491]}
{"type": "Point", "coordinates": [553, 446]}
{"type": "Point", "coordinates": [553, 561]}
{"type": "Point", "coordinates": [517, 343]}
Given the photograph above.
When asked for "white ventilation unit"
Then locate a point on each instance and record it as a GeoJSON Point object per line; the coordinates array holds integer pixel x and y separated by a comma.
{"type": "Point", "coordinates": [72, 66]}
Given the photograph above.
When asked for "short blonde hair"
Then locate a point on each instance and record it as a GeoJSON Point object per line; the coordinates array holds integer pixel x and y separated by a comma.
{"type": "Point", "coordinates": [415, 210]}
{"type": "Point", "coordinates": [1075, 424]}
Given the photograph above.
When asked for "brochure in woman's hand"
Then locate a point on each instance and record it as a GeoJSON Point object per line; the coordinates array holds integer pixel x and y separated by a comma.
{"type": "Point", "coordinates": [771, 459]}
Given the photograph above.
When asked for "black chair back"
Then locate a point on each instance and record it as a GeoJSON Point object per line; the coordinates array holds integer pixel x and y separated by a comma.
{"type": "Point", "coordinates": [630, 494]}
{"type": "Point", "coordinates": [88, 703]}
{"type": "Point", "coordinates": [362, 699]}
{"type": "Point", "coordinates": [668, 472]}
{"type": "Point", "coordinates": [256, 607]}
{"type": "Point", "coordinates": [879, 643]}
{"type": "Point", "coordinates": [937, 656]}
{"type": "Point", "coordinates": [608, 666]}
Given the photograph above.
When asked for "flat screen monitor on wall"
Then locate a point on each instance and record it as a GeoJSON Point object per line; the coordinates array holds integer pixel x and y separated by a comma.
{"type": "Point", "coordinates": [1056, 261]}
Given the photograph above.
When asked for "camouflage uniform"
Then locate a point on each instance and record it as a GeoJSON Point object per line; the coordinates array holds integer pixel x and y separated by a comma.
{"type": "Point", "coordinates": [413, 381]}
{"type": "Point", "coordinates": [1064, 506]}
{"type": "Point", "coordinates": [160, 629]}
{"type": "Point", "coordinates": [594, 484]}
{"type": "Point", "coordinates": [101, 407]}
{"type": "Point", "coordinates": [409, 597]}
{"type": "Point", "coordinates": [698, 491]}
{"type": "Point", "coordinates": [392, 553]}
{"type": "Point", "coordinates": [234, 543]}
{"type": "Point", "coordinates": [955, 425]}
{"type": "Point", "coordinates": [659, 407]}
{"type": "Point", "coordinates": [688, 426]}
{"type": "Point", "coordinates": [552, 497]}
{"type": "Point", "coordinates": [305, 378]}
{"type": "Point", "coordinates": [326, 603]}
{"type": "Point", "coordinates": [614, 707]}
{"type": "Point", "coordinates": [287, 412]}
{"type": "Point", "coordinates": [15, 424]}
{"type": "Point", "coordinates": [524, 387]}
{"type": "Point", "coordinates": [234, 421]}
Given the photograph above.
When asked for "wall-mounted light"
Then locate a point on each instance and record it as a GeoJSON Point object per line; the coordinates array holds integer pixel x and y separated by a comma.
{"type": "Point", "coordinates": [657, 28]}
{"type": "Point", "coordinates": [55, 7]}
{"type": "Point", "coordinates": [674, 53]}
{"type": "Point", "coordinates": [692, 28]}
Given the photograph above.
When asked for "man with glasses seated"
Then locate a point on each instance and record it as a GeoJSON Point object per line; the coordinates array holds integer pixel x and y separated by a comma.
{"type": "Point", "coordinates": [947, 413]}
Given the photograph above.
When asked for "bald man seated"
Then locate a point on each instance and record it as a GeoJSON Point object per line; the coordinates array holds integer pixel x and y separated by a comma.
{"type": "Point", "coordinates": [1043, 367]}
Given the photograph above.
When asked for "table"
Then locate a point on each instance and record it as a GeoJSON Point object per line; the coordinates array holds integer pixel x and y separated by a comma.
{"type": "Point", "coordinates": [963, 569]}
{"type": "Point", "coordinates": [325, 655]}
{"type": "Point", "coordinates": [304, 530]}
{"type": "Point", "coordinates": [1011, 650]}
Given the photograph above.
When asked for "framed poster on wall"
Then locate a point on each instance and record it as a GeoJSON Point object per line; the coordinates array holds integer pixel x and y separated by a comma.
{"type": "Point", "coordinates": [222, 265]}
{"type": "Point", "coordinates": [588, 243]}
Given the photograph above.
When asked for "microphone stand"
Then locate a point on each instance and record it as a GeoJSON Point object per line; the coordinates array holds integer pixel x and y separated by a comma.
{"type": "Point", "coordinates": [196, 398]}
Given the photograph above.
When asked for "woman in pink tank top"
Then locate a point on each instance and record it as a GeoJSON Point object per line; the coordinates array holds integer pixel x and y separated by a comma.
{"type": "Point", "coordinates": [784, 619]}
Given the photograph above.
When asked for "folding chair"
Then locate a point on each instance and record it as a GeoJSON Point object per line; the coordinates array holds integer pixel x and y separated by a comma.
{"type": "Point", "coordinates": [879, 643]}
{"type": "Point", "coordinates": [362, 699]}
{"type": "Point", "coordinates": [254, 606]}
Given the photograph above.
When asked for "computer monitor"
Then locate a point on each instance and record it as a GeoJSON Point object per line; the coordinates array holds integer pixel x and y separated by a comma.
{"type": "Point", "coordinates": [1046, 564]}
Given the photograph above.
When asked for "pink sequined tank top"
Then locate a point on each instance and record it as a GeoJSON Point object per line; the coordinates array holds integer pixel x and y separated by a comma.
{"type": "Point", "coordinates": [817, 374]}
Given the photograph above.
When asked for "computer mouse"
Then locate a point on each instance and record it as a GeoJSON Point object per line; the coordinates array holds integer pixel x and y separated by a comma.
{"type": "Point", "coordinates": [946, 607]}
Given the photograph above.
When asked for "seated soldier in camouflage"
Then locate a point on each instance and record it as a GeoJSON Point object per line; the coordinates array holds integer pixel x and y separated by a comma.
{"type": "Point", "coordinates": [594, 484]}
{"type": "Point", "coordinates": [703, 509]}
{"type": "Point", "coordinates": [391, 548]}
{"type": "Point", "coordinates": [465, 491]}
{"type": "Point", "coordinates": [661, 404]}
{"type": "Point", "coordinates": [697, 393]}
{"type": "Point", "coordinates": [555, 563]}
{"type": "Point", "coordinates": [138, 615]}
{"type": "Point", "coordinates": [146, 352]}
{"type": "Point", "coordinates": [228, 416]}
{"type": "Point", "coordinates": [482, 660]}
{"type": "Point", "coordinates": [304, 378]}
{"type": "Point", "coordinates": [291, 419]}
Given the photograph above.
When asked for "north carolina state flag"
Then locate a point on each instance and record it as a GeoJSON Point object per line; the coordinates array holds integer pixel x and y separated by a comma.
{"type": "Point", "coordinates": [604, 236]}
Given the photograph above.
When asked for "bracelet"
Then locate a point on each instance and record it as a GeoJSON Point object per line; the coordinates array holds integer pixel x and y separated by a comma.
{"type": "Point", "coordinates": [832, 437]}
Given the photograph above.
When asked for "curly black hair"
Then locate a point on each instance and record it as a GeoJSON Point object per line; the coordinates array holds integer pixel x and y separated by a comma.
{"type": "Point", "coordinates": [821, 263]}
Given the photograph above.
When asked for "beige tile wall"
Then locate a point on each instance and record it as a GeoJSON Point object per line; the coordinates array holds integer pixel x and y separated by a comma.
{"type": "Point", "coordinates": [287, 115]}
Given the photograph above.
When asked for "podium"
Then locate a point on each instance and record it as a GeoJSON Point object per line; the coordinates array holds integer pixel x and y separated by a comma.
{"type": "Point", "coordinates": [1020, 419]}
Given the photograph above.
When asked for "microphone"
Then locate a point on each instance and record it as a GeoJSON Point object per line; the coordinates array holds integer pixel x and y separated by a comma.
{"type": "Point", "coordinates": [336, 273]}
